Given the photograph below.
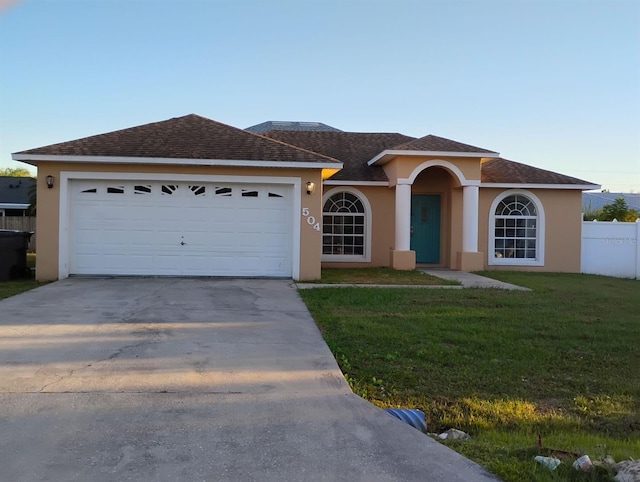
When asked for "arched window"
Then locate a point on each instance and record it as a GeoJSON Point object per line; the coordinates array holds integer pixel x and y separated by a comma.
{"type": "Point", "coordinates": [516, 231]}
{"type": "Point", "coordinates": [345, 226]}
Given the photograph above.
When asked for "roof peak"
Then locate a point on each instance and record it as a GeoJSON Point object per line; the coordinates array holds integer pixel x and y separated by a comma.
{"type": "Point", "coordinates": [189, 136]}
{"type": "Point", "coordinates": [431, 142]}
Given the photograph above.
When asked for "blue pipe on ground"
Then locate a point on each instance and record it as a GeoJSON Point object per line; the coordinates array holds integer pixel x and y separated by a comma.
{"type": "Point", "coordinates": [412, 416]}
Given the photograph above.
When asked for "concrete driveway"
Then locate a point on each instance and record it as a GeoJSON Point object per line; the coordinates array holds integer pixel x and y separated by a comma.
{"type": "Point", "coordinates": [190, 379]}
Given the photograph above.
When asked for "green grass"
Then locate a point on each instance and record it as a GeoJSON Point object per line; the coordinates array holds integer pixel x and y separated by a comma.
{"type": "Point", "coordinates": [31, 260]}
{"type": "Point", "coordinates": [10, 288]}
{"type": "Point", "coordinates": [561, 361]}
{"type": "Point", "coordinates": [380, 276]}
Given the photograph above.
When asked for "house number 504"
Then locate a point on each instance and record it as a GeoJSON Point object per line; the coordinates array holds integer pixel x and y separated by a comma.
{"type": "Point", "coordinates": [311, 221]}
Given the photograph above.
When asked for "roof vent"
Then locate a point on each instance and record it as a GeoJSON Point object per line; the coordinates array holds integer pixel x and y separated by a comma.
{"type": "Point", "coordinates": [290, 126]}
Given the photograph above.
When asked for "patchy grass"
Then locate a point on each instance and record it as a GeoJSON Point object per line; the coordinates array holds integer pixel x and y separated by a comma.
{"type": "Point", "coordinates": [561, 361]}
{"type": "Point", "coordinates": [31, 260]}
{"type": "Point", "coordinates": [379, 276]}
{"type": "Point", "coordinates": [10, 288]}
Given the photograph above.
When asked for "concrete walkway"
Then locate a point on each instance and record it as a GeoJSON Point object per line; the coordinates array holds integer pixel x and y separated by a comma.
{"type": "Point", "coordinates": [471, 280]}
{"type": "Point", "coordinates": [165, 379]}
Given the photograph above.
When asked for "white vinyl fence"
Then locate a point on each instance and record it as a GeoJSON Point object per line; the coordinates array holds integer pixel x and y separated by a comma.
{"type": "Point", "coordinates": [611, 249]}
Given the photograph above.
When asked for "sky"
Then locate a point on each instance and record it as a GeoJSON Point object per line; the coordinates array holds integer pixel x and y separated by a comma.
{"type": "Point", "coordinates": [550, 83]}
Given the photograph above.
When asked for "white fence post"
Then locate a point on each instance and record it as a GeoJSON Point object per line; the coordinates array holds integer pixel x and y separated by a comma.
{"type": "Point", "coordinates": [638, 248]}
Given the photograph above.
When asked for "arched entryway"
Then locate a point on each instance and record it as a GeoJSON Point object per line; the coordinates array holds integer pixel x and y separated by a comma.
{"type": "Point", "coordinates": [448, 192]}
{"type": "Point", "coordinates": [435, 195]}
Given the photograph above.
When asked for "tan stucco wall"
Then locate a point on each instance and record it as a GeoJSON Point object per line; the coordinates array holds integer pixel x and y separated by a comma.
{"type": "Point", "coordinates": [562, 223]}
{"type": "Point", "coordinates": [382, 201]}
{"type": "Point", "coordinates": [456, 227]}
{"type": "Point", "coordinates": [563, 226]}
{"type": "Point", "coordinates": [48, 218]}
{"type": "Point", "coordinates": [562, 212]}
{"type": "Point", "coordinates": [47, 222]}
{"type": "Point", "coordinates": [434, 180]}
{"type": "Point", "coordinates": [310, 239]}
{"type": "Point", "coordinates": [403, 166]}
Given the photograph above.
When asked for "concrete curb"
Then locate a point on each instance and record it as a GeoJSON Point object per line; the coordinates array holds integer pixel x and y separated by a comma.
{"type": "Point", "coordinates": [304, 286]}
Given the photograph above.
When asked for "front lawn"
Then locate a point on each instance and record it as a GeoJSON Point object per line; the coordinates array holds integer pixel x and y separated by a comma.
{"type": "Point", "coordinates": [562, 361]}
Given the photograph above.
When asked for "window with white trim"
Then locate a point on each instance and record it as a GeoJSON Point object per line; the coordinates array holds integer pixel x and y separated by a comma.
{"type": "Point", "coordinates": [516, 230]}
{"type": "Point", "coordinates": [344, 229]}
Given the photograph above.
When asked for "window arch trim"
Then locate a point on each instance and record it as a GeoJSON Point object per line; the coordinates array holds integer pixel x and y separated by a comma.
{"type": "Point", "coordinates": [367, 226]}
{"type": "Point", "coordinates": [540, 231]}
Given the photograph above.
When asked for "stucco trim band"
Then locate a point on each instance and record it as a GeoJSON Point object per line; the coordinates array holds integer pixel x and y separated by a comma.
{"type": "Point", "coordinates": [386, 156]}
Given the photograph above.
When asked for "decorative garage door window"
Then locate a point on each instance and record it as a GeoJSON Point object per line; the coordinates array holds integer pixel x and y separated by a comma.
{"type": "Point", "coordinates": [516, 228]}
{"type": "Point", "coordinates": [182, 190]}
{"type": "Point", "coordinates": [169, 189]}
{"type": "Point", "coordinates": [198, 190]}
{"type": "Point", "coordinates": [343, 225]}
{"type": "Point", "coordinates": [223, 191]}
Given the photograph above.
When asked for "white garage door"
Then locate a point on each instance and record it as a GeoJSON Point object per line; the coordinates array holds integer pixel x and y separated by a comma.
{"type": "Point", "coordinates": [180, 228]}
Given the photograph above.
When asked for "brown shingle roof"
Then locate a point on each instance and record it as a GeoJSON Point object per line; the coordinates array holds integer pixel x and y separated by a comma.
{"type": "Point", "coordinates": [187, 137]}
{"type": "Point", "coordinates": [438, 144]}
{"type": "Point", "coordinates": [196, 137]}
{"type": "Point", "coordinates": [501, 170]}
{"type": "Point", "coordinates": [354, 149]}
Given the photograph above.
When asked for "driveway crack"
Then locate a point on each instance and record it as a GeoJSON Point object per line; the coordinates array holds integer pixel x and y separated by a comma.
{"type": "Point", "coordinates": [62, 377]}
{"type": "Point", "coordinates": [121, 350]}
{"type": "Point", "coordinates": [136, 309]}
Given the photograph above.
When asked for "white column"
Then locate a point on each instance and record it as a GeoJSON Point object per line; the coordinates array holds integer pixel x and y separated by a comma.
{"type": "Point", "coordinates": [403, 217]}
{"type": "Point", "coordinates": [470, 197]}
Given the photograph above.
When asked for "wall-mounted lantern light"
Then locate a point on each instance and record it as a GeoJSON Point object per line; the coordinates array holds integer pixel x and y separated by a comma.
{"type": "Point", "coordinates": [49, 181]}
{"type": "Point", "coordinates": [311, 187]}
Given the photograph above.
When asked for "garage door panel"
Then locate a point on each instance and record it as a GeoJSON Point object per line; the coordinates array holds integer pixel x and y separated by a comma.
{"type": "Point", "coordinates": [114, 264]}
{"type": "Point", "coordinates": [274, 239]}
{"type": "Point", "coordinates": [193, 226]}
{"type": "Point", "coordinates": [223, 215]}
{"type": "Point", "coordinates": [171, 228]}
{"type": "Point", "coordinates": [272, 224]}
{"type": "Point", "coordinates": [88, 237]}
{"type": "Point", "coordinates": [141, 238]}
{"type": "Point", "coordinates": [224, 266]}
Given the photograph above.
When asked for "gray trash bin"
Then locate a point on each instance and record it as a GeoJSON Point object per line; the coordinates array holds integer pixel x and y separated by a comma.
{"type": "Point", "coordinates": [13, 254]}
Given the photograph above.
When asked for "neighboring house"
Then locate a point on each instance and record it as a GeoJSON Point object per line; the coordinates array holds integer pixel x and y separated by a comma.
{"type": "Point", "coordinates": [191, 196]}
{"type": "Point", "coordinates": [15, 195]}
{"type": "Point", "coordinates": [596, 200]}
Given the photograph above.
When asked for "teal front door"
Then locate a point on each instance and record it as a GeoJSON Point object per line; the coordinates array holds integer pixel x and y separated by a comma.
{"type": "Point", "coordinates": [425, 227]}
